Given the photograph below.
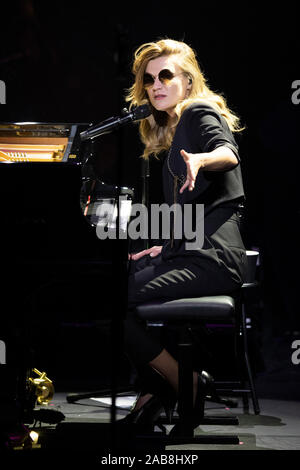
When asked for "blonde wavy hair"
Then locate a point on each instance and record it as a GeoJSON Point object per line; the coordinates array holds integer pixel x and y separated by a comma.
{"type": "Point", "coordinates": [156, 132]}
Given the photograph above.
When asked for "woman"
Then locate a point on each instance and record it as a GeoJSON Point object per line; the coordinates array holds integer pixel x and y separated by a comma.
{"type": "Point", "coordinates": [193, 127]}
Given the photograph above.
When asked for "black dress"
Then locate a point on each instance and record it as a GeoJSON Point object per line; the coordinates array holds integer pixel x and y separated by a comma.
{"type": "Point", "coordinates": [218, 265]}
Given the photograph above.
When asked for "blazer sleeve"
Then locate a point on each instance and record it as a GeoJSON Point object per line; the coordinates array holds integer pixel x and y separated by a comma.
{"type": "Point", "coordinates": [209, 129]}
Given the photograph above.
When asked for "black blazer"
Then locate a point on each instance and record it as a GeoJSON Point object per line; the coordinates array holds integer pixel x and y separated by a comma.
{"type": "Point", "coordinates": [202, 129]}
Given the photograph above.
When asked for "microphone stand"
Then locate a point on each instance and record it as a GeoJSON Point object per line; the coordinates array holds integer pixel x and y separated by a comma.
{"type": "Point", "coordinates": [145, 174]}
{"type": "Point", "coordinates": [119, 263]}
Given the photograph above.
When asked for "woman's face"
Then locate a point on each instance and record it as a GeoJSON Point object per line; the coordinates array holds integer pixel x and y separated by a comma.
{"type": "Point", "coordinates": [164, 96]}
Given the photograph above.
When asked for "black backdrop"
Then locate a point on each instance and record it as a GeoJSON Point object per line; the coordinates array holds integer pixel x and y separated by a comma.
{"type": "Point", "coordinates": [70, 62]}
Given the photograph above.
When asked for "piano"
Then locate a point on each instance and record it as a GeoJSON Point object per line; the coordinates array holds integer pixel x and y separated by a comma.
{"type": "Point", "coordinates": [53, 263]}
{"type": "Point", "coordinates": [39, 142]}
{"type": "Point", "coordinates": [50, 193]}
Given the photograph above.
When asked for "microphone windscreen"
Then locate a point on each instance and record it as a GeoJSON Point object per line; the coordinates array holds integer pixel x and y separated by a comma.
{"type": "Point", "coordinates": [141, 112]}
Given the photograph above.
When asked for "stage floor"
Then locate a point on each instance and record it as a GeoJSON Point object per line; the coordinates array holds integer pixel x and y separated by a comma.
{"type": "Point", "coordinates": [274, 433]}
{"type": "Point", "coordinates": [277, 427]}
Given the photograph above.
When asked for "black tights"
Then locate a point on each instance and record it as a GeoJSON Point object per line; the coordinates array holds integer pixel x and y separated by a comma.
{"type": "Point", "coordinates": [215, 270]}
{"type": "Point", "coordinates": [153, 279]}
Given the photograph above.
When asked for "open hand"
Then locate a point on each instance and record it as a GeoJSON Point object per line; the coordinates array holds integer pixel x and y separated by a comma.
{"type": "Point", "coordinates": [193, 161]}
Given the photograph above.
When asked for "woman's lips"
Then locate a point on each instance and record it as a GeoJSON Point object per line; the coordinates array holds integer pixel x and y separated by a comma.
{"type": "Point", "coordinates": [159, 97]}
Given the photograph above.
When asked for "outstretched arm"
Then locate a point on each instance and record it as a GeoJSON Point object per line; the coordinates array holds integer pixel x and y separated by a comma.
{"type": "Point", "coordinates": [222, 158]}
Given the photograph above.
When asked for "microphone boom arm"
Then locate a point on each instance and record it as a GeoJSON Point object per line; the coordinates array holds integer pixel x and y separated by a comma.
{"type": "Point", "coordinates": [110, 124]}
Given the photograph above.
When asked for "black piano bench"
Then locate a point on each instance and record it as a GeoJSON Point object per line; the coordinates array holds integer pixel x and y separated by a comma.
{"type": "Point", "coordinates": [197, 311]}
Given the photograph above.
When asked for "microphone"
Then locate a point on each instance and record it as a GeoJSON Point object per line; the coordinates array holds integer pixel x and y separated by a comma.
{"type": "Point", "coordinates": [113, 123]}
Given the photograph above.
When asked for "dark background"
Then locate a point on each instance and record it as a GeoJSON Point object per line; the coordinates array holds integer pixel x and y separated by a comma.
{"type": "Point", "coordinates": [71, 61]}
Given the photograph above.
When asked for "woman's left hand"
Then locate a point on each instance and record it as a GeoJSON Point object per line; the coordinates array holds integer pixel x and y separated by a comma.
{"type": "Point", "coordinates": [193, 161]}
{"type": "Point", "coordinates": [153, 252]}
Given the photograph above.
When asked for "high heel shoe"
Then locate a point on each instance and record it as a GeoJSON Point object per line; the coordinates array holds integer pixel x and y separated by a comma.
{"type": "Point", "coordinates": [212, 394]}
{"type": "Point", "coordinates": [143, 419]}
{"type": "Point", "coordinates": [208, 381]}
{"type": "Point", "coordinates": [163, 398]}
{"type": "Point", "coordinates": [205, 385]}
{"type": "Point", "coordinates": [157, 385]}
{"type": "Point", "coordinates": [167, 396]}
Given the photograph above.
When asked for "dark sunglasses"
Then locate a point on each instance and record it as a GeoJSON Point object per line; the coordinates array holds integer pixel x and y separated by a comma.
{"type": "Point", "coordinates": [165, 76]}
